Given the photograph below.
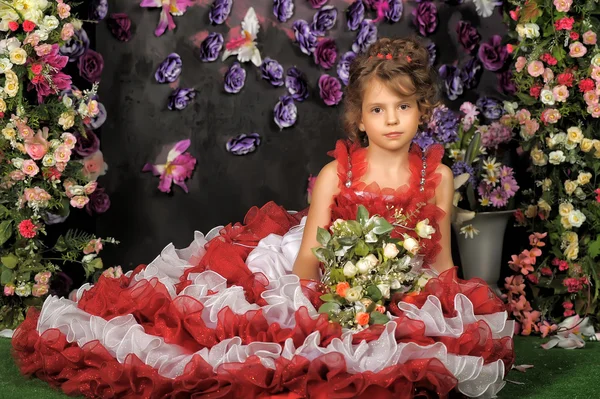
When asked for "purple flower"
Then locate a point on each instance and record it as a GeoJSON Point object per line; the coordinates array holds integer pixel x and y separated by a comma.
{"type": "Point", "coordinates": [343, 67]}
{"type": "Point", "coordinates": [272, 71]}
{"type": "Point", "coordinates": [317, 3]}
{"type": "Point", "coordinates": [243, 144]}
{"type": "Point", "coordinates": [91, 65]}
{"type": "Point", "coordinates": [235, 78]}
{"type": "Point", "coordinates": [453, 84]}
{"type": "Point", "coordinates": [169, 70]}
{"type": "Point", "coordinates": [98, 120]}
{"type": "Point", "coordinates": [424, 138]}
{"type": "Point", "coordinates": [180, 98]}
{"type": "Point", "coordinates": [87, 145]}
{"type": "Point", "coordinates": [425, 18]}
{"type": "Point", "coordinates": [305, 38]}
{"type": "Point", "coordinates": [76, 45]}
{"type": "Point", "coordinates": [330, 90]}
{"type": "Point", "coordinates": [323, 20]}
{"type": "Point", "coordinates": [355, 14]}
{"type": "Point", "coordinates": [444, 125]}
{"type": "Point", "coordinates": [219, 11]}
{"type": "Point", "coordinates": [493, 54]}
{"type": "Point", "coordinates": [432, 49]}
{"type": "Point", "coordinates": [468, 36]}
{"type": "Point", "coordinates": [61, 284]}
{"type": "Point", "coordinates": [120, 26]}
{"type": "Point", "coordinates": [490, 107]}
{"type": "Point", "coordinates": [98, 9]}
{"type": "Point", "coordinates": [325, 53]}
{"type": "Point", "coordinates": [283, 9]}
{"type": "Point", "coordinates": [460, 167]}
{"type": "Point", "coordinates": [506, 82]}
{"type": "Point", "coordinates": [295, 81]}
{"type": "Point", "coordinates": [211, 46]}
{"type": "Point", "coordinates": [99, 201]}
{"type": "Point", "coordinates": [395, 10]}
{"type": "Point", "coordinates": [285, 112]}
{"type": "Point", "coordinates": [367, 35]}
{"type": "Point", "coordinates": [470, 73]}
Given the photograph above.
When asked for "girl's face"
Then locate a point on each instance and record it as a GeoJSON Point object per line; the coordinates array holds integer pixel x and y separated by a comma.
{"type": "Point", "coordinates": [390, 121]}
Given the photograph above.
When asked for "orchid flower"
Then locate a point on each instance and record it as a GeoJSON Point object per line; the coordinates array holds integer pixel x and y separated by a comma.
{"type": "Point", "coordinates": [245, 45]}
{"type": "Point", "coordinates": [571, 332]}
{"type": "Point", "coordinates": [459, 215]}
{"type": "Point", "coordinates": [177, 169]}
{"type": "Point", "coordinates": [381, 6]}
{"type": "Point", "coordinates": [169, 8]}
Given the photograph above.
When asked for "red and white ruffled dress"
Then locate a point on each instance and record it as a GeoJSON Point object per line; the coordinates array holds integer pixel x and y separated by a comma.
{"type": "Point", "coordinates": [225, 318]}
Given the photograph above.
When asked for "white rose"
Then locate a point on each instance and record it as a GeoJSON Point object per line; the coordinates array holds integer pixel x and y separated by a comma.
{"type": "Point", "coordinates": [349, 269]}
{"type": "Point", "coordinates": [17, 162]}
{"type": "Point", "coordinates": [396, 285]}
{"type": "Point", "coordinates": [411, 245]}
{"type": "Point", "coordinates": [48, 160]}
{"type": "Point", "coordinates": [34, 15]}
{"type": "Point", "coordinates": [565, 208]}
{"type": "Point", "coordinates": [18, 56]}
{"type": "Point", "coordinates": [67, 101]}
{"type": "Point", "coordinates": [547, 97]}
{"type": "Point", "coordinates": [385, 290]}
{"type": "Point", "coordinates": [579, 193]}
{"type": "Point", "coordinates": [570, 145]}
{"type": "Point", "coordinates": [576, 218]}
{"type": "Point", "coordinates": [538, 157]}
{"type": "Point", "coordinates": [559, 138]}
{"type": "Point", "coordinates": [529, 31]}
{"type": "Point", "coordinates": [88, 258]}
{"type": "Point", "coordinates": [556, 157]}
{"type": "Point", "coordinates": [363, 266]}
{"type": "Point", "coordinates": [12, 43]}
{"type": "Point", "coordinates": [596, 60]}
{"type": "Point", "coordinates": [372, 259]}
{"type": "Point", "coordinates": [354, 294]}
{"type": "Point", "coordinates": [5, 65]}
{"type": "Point", "coordinates": [42, 34]}
{"type": "Point", "coordinates": [422, 281]}
{"type": "Point", "coordinates": [23, 290]}
{"type": "Point", "coordinates": [50, 22]}
{"type": "Point", "coordinates": [424, 230]}
{"type": "Point", "coordinates": [390, 250]}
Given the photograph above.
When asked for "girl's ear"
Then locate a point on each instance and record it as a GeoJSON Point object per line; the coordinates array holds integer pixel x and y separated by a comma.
{"type": "Point", "coordinates": [361, 127]}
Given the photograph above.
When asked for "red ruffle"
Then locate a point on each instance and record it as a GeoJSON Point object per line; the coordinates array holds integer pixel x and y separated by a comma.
{"type": "Point", "coordinates": [91, 371]}
{"type": "Point", "coordinates": [409, 198]}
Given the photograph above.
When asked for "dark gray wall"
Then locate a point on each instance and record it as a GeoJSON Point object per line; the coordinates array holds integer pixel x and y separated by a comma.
{"type": "Point", "coordinates": [223, 186]}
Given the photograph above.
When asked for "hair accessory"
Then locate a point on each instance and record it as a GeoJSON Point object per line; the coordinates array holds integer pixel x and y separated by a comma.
{"type": "Point", "coordinates": [388, 56]}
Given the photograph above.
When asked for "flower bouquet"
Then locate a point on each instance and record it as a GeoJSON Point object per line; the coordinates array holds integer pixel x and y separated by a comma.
{"type": "Point", "coordinates": [365, 267]}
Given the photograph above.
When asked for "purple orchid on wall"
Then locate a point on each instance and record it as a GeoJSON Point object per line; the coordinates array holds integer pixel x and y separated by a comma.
{"type": "Point", "coordinates": [177, 168]}
{"type": "Point", "coordinates": [243, 144]}
{"type": "Point", "coordinates": [168, 9]}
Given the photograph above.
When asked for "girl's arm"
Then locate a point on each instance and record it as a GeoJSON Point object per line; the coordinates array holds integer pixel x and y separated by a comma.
{"type": "Point", "coordinates": [326, 187]}
{"type": "Point", "coordinates": [443, 199]}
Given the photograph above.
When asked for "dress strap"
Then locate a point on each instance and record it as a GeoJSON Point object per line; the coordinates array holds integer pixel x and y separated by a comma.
{"type": "Point", "coordinates": [351, 162]}
{"type": "Point", "coordinates": [423, 167]}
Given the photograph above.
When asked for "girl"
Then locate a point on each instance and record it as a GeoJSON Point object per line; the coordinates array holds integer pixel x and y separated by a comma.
{"type": "Point", "coordinates": [227, 318]}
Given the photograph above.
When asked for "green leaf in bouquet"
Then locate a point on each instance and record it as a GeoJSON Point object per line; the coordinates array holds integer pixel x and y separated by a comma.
{"type": "Point", "coordinates": [378, 318]}
{"type": "Point", "coordinates": [329, 307]}
{"type": "Point", "coordinates": [355, 228]}
{"type": "Point", "coordinates": [473, 149]}
{"type": "Point", "coordinates": [328, 297]}
{"type": "Point", "coordinates": [362, 215]}
{"type": "Point", "coordinates": [321, 254]}
{"type": "Point", "coordinates": [373, 293]}
{"type": "Point", "coordinates": [337, 275]}
{"type": "Point", "coordinates": [323, 236]}
{"type": "Point", "coordinates": [594, 248]}
{"type": "Point", "coordinates": [526, 99]}
{"type": "Point", "coordinates": [471, 196]}
{"type": "Point", "coordinates": [5, 231]}
{"type": "Point", "coordinates": [7, 276]}
{"type": "Point", "coordinates": [371, 237]}
{"type": "Point", "coordinates": [371, 307]}
{"type": "Point", "coordinates": [3, 211]}
{"type": "Point", "coordinates": [10, 261]}
{"type": "Point", "coordinates": [361, 248]}
{"type": "Point", "coordinates": [25, 276]}
{"type": "Point", "coordinates": [61, 245]}
{"type": "Point", "coordinates": [347, 241]}
{"type": "Point", "coordinates": [382, 226]}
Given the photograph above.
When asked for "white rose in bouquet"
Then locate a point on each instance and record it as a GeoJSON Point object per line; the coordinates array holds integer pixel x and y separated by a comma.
{"type": "Point", "coordinates": [390, 250]}
{"type": "Point", "coordinates": [424, 230]}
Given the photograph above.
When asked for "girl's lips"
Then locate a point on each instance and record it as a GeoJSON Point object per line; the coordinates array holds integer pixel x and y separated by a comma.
{"type": "Point", "coordinates": [393, 134]}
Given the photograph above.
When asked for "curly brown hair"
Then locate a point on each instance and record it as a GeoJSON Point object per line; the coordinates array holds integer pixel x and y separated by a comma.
{"type": "Point", "coordinates": [407, 73]}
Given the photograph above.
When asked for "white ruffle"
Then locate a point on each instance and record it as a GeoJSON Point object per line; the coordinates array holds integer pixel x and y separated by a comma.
{"type": "Point", "coordinates": [274, 257]}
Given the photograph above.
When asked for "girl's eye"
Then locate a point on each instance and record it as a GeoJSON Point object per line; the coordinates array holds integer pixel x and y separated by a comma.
{"type": "Point", "coordinates": [376, 110]}
{"type": "Point", "coordinates": [404, 105]}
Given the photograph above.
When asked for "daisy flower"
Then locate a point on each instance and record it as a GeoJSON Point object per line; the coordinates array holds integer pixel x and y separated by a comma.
{"type": "Point", "coordinates": [469, 231]}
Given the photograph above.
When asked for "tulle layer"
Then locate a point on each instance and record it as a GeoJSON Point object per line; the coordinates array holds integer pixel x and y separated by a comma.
{"type": "Point", "coordinates": [178, 318]}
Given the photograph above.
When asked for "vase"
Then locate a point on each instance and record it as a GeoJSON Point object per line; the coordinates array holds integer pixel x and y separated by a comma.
{"type": "Point", "coordinates": [481, 256]}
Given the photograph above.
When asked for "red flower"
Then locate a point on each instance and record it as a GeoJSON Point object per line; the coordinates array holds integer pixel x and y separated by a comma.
{"type": "Point", "coordinates": [546, 271]}
{"type": "Point", "coordinates": [549, 59]}
{"type": "Point", "coordinates": [28, 26]}
{"type": "Point", "coordinates": [574, 35]}
{"type": "Point", "coordinates": [514, 14]}
{"type": "Point", "coordinates": [13, 26]}
{"type": "Point", "coordinates": [535, 90]}
{"type": "Point", "coordinates": [36, 69]}
{"type": "Point", "coordinates": [51, 173]}
{"type": "Point", "coordinates": [27, 228]}
{"type": "Point", "coordinates": [586, 85]}
{"type": "Point", "coordinates": [565, 78]}
{"type": "Point", "coordinates": [563, 265]}
{"type": "Point", "coordinates": [597, 191]}
{"type": "Point", "coordinates": [532, 278]}
{"type": "Point", "coordinates": [565, 23]}
{"type": "Point", "coordinates": [573, 284]}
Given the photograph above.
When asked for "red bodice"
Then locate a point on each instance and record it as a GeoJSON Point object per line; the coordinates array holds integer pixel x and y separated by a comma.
{"type": "Point", "coordinates": [415, 198]}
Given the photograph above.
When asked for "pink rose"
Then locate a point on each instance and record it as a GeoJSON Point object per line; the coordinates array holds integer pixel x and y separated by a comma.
{"type": "Point", "coordinates": [523, 116]}
{"type": "Point", "coordinates": [90, 187]}
{"type": "Point", "coordinates": [563, 5]}
{"type": "Point", "coordinates": [43, 277]}
{"type": "Point", "coordinates": [43, 49]}
{"type": "Point", "coordinates": [94, 166]}
{"type": "Point", "coordinates": [16, 175]}
{"type": "Point", "coordinates": [69, 140]}
{"type": "Point", "coordinates": [39, 290]}
{"type": "Point", "coordinates": [79, 201]}
{"type": "Point", "coordinates": [9, 289]}
{"type": "Point", "coordinates": [30, 168]}
{"type": "Point", "coordinates": [93, 246]}
{"type": "Point", "coordinates": [520, 64]}
{"type": "Point", "coordinates": [67, 31]}
{"type": "Point", "coordinates": [577, 50]}
{"type": "Point", "coordinates": [589, 37]}
{"type": "Point", "coordinates": [535, 68]}
{"type": "Point", "coordinates": [38, 145]}
{"type": "Point", "coordinates": [62, 153]}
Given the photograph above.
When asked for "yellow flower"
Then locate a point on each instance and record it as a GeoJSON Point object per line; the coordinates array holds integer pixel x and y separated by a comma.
{"type": "Point", "coordinates": [538, 157]}
{"type": "Point", "coordinates": [574, 134]}
{"type": "Point", "coordinates": [9, 133]}
{"type": "Point", "coordinates": [11, 88]}
{"type": "Point", "coordinates": [570, 186]}
{"type": "Point", "coordinates": [564, 220]}
{"type": "Point", "coordinates": [569, 238]}
{"type": "Point", "coordinates": [584, 178]}
{"type": "Point", "coordinates": [2, 105]}
{"type": "Point", "coordinates": [565, 208]}
{"type": "Point", "coordinates": [544, 206]}
{"type": "Point", "coordinates": [66, 120]}
{"type": "Point", "coordinates": [531, 211]}
{"type": "Point", "coordinates": [18, 56]}
{"type": "Point", "coordinates": [572, 252]}
{"type": "Point", "coordinates": [586, 145]}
